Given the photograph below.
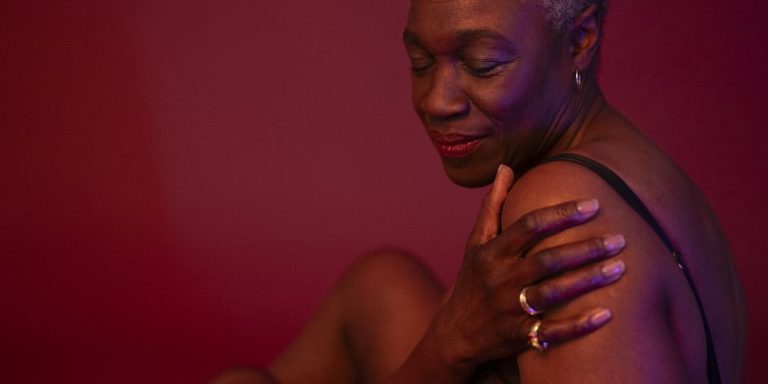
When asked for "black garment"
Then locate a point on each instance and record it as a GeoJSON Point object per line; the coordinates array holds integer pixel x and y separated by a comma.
{"type": "Point", "coordinates": [618, 185]}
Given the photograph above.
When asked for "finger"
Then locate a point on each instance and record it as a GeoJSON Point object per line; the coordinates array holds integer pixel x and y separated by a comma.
{"type": "Point", "coordinates": [558, 259]}
{"type": "Point", "coordinates": [531, 227]}
{"type": "Point", "coordinates": [560, 331]}
{"type": "Point", "coordinates": [558, 290]}
{"type": "Point", "coordinates": [488, 221]}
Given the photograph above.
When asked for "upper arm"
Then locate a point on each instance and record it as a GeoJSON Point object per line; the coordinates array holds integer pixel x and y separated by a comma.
{"type": "Point", "coordinates": [637, 344]}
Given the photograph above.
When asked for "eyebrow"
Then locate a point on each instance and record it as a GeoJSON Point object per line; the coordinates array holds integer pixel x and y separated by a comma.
{"type": "Point", "coordinates": [466, 37]}
{"type": "Point", "coordinates": [470, 35]}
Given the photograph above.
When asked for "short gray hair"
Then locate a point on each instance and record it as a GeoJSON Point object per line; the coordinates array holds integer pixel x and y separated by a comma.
{"type": "Point", "coordinates": [560, 13]}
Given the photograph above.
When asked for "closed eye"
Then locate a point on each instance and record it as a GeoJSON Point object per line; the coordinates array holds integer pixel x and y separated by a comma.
{"type": "Point", "coordinates": [485, 68]}
{"type": "Point", "coordinates": [420, 65]}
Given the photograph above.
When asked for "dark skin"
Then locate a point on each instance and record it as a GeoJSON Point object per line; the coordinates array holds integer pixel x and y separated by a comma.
{"type": "Point", "coordinates": [526, 106]}
{"type": "Point", "coordinates": [494, 72]}
{"type": "Point", "coordinates": [388, 320]}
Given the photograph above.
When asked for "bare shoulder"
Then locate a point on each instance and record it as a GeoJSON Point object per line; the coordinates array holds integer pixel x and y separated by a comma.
{"type": "Point", "coordinates": [637, 345]}
{"type": "Point", "coordinates": [559, 181]}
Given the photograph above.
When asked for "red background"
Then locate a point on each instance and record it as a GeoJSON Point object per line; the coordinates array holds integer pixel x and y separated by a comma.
{"type": "Point", "coordinates": [183, 180]}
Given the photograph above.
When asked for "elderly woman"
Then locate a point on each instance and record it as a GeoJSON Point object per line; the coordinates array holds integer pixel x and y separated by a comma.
{"type": "Point", "coordinates": [513, 83]}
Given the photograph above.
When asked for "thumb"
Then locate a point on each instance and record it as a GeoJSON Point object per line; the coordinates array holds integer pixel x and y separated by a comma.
{"type": "Point", "coordinates": [489, 220]}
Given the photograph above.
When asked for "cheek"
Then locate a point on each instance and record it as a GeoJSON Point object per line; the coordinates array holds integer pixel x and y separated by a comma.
{"type": "Point", "coordinates": [501, 100]}
{"type": "Point", "coordinates": [518, 101]}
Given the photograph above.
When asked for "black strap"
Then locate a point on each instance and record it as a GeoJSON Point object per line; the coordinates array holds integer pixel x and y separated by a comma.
{"type": "Point", "coordinates": [626, 193]}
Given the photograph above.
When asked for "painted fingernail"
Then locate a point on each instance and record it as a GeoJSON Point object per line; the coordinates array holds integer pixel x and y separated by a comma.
{"type": "Point", "coordinates": [587, 206]}
{"type": "Point", "coordinates": [613, 243]}
{"type": "Point", "coordinates": [612, 270]}
{"type": "Point", "coordinates": [600, 317]}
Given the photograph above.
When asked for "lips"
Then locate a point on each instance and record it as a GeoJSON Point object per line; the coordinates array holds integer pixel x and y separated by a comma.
{"type": "Point", "coordinates": [456, 145]}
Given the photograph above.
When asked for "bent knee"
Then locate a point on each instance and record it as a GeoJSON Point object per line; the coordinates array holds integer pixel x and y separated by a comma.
{"type": "Point", "coordinates": [391, 274]}
{"type": "Point", "coordinates": [389, 266]}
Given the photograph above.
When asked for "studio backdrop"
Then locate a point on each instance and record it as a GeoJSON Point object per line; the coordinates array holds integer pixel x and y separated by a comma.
{"type": "Point", "coordinates": [182, 181]}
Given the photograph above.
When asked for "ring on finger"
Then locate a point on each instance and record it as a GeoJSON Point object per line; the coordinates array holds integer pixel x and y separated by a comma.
{"type": "Point", "coordinates": [524, 303]}
{"type": "Point", "coordinates": [534, 337]}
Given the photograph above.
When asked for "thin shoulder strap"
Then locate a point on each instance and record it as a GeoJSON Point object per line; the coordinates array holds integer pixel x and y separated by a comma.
{"type": "Point", "coordinates": [621, 188]}
{"type": "Point", "coordinates": [626, 193]}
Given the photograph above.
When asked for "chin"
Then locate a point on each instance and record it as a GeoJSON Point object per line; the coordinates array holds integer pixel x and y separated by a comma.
{"type": "Point", "coordinates": [469, 177]}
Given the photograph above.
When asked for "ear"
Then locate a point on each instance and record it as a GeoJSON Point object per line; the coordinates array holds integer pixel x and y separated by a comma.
{"type": "Point", "coordinates": [585, 37]}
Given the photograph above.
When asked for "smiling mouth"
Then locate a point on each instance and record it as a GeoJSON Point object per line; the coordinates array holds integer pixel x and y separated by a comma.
{"type": "Point", "coordinates": [456, 146]}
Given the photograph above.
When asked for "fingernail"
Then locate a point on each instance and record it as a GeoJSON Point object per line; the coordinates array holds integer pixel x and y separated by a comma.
{"type": "Point", "coordinates": [587, 206]}
{"type": "Point", "coordinates": [613, 243]}
{"type": "Point", "coordinates": [501, 168]}
{"type": "Point", "coordinates": [600, 317]}
{"type": "Point", "coordinates": [612, 270]}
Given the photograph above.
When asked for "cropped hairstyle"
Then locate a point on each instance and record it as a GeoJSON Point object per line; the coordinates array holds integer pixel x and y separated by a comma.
{"type": "Point", "coordinates": [560, 13]}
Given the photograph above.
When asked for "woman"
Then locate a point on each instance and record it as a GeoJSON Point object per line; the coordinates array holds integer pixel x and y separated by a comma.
{"type": "Point", "coordinates": [513, 82]}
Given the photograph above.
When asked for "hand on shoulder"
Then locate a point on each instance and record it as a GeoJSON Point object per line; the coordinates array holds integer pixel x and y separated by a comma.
{"type": "Point", "coordinates": [639, 336]}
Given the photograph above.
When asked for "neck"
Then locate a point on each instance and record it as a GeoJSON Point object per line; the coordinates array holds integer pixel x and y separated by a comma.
{"type": "Point", "coordinates": [572, 122]}
{"type": "Point", "coordinates": [575, 119]}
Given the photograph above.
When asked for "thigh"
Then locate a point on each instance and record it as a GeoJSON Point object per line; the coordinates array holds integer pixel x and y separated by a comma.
{"type": "Point", "coordinates": [368, 325]}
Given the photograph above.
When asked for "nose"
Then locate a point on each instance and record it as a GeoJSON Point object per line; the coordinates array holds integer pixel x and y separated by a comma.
{"type": "Point", "coordinates": [444, 98]}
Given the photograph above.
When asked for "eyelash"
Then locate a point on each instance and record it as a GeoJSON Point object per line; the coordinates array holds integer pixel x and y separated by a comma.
{"type": "Point", "coordinates": [486, 70]}
{"type": "Point", "coordinates": [420, 69]}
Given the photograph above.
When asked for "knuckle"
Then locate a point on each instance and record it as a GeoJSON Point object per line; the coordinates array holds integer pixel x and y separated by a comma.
{"type": "Point", "coordinates": [540, 220]}
{"type": "Point", "coordinates": [551, 293]}
{"type": "Point", "coordinates": [485, 255]}
{"type": "Point", "coordinates": [598, 274]}
{"type": "Point", "coordinates": [492, 283]}
{"type": "Point", "coordinates": [566, 211]}
{"type": "Point", "coordinates": [548, 261]}
{"type": "Point", "coordinates": [590, 280]}
{"type": "Point", "coordinates": [596, 247]}
{"type": "Point", "coordinates": [582, 325]}
{"type": "Point", "coordinates": [531, 222]}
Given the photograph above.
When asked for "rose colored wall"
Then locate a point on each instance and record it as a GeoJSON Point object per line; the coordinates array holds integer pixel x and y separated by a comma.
{"type": "Point", "coordinates": [182, 180]}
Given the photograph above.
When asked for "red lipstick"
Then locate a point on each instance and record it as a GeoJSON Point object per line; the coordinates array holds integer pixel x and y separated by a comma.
{"type": "Point", "coordinates": [456, 146]}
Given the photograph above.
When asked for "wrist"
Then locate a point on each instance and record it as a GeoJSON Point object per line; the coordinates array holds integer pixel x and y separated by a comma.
{"type": "Point", "coordinates": [431, 362]}
{"type": "Point", "coordinates": [447, 354]}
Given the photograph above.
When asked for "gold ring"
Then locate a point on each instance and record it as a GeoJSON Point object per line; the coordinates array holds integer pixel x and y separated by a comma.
{"type": "Point", "coordinates": [534, 338]}
{"type": "Point", "coordinates": [524, 303]}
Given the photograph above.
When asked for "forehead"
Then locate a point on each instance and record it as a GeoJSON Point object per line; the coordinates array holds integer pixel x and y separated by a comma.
{"type": "Point", "coordinates": [438, 22]}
